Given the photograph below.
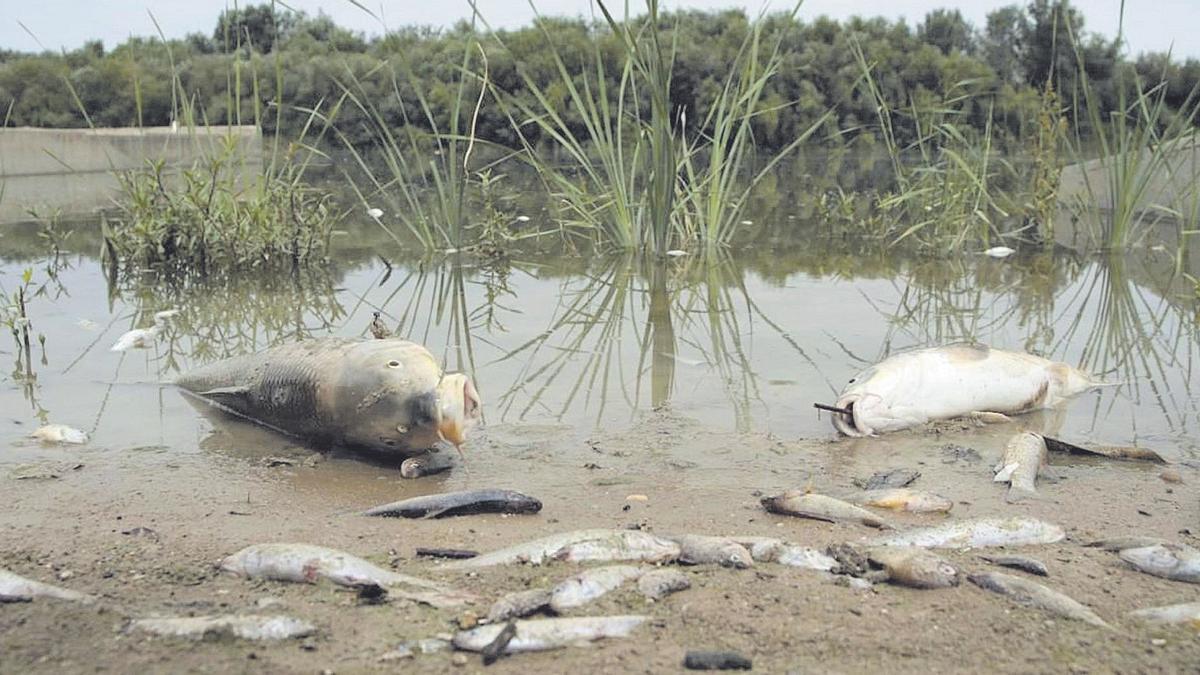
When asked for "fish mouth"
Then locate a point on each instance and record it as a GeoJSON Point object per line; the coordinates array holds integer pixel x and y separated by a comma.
{"type": "Point", "coordinates": [846, 423]}
{"type": "Point", "coordinates": [460, 407]}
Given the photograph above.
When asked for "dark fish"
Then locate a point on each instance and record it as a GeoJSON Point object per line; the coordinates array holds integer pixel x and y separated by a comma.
{"type": "Point", "coordinates": [1019, 562]}
{"type": "Point", "coordinates": [448, 553]}
{"type": "Point", "coordinates": [496, 647]}
{"type": "Point", "coordinates": [892, 478]}
{"type": "Point", "coordinates": [1110, 451]}
{"type": "Point", "coordinates": [697, 660]}
{"type": "Point", "coordinates": [459, 504]}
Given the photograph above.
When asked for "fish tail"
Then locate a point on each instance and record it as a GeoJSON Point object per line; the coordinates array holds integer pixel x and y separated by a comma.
{"type": "Point", "coordinates": [1017, 495]}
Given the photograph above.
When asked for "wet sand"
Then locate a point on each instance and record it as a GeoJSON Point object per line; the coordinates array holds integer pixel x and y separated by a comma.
{"type": "Point", "coordinates": [143, 527]}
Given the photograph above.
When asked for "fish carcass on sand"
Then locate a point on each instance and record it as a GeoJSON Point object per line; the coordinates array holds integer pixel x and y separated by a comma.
{"type": "Point", "coordinates": [914, 567]}
{"type": "Point", "coordinates": [1178, 562]}
{"type": "Point", "coordinates": [247, 627]}
{"type": "Point", "coordinates": [305, 563]}
{"type": "Point", "coordinates": [519, 604]}
{"type": "Point", "coordinates": [588, 585]}
{"type": "Point", "coordinates": [578, 545]}
{"type": "Point", "coordinates": [910, 389]}
{"type": "Point", "coordinates": [384, 395]}
{"type": "Point", "coordinates": [59, 433]}
{"type": "Point", "coordinates": [658, 584]}
{"type": "Point", "coordinates": [458, 504]}
{"type": "Point", "coordinates": [700, 549]}
{"type": "Point", "coordinates": [541, 634]}
{"type": "Point", "coordinates": [821, 507]}
{"type": "Point", "coordinates": [977, 533]}
{"type": "Point", "coordinates": [1024, 456]}
{"type": "Point", "coordinates": [905, 499]}
{"type": "Point", "coordinates": [770, 549]}
{"type": "Point", "coordinates": [16, 588]}
{"type": "Point", "coordinates": [1032, 594]}
{"type": "Point", "coordinates": [1188, 612]}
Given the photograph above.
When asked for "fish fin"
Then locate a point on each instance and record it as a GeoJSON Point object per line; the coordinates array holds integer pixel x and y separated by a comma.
{"type": "Point", "coordinates": [1004, 473]}
{"type": "Point", "coordinates": [989, 417]}
{"type": "Point", "coordinates": [224, 393]}
{"type": "Point", "coordinates": [436, 514]}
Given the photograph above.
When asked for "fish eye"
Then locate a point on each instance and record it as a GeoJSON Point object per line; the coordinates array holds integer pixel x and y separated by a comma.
{"type": "Point", "coordinates": [393, 364]}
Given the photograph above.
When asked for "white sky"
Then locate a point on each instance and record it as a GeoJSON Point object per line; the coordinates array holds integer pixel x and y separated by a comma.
{"type": "Point", "coordinates": [1150, 25]}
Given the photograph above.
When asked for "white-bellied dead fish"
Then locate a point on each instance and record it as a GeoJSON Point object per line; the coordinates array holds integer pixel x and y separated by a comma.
{"type": "Point", "coordinates": [16, 588]}
{"type": "Point", "coordinates": [59, 433]}
{"type": "Point", "coordinates": [1024, 456]}
{"type": "Point", "coordinates": [1178, 562]}
{"type": "Point", "coordinates": [914, 567]}
{"type": "Point", "coordinates": [1188, 612]}
{"type": "Point", "coordinates": [138, 338]}
{"type": "Point", "coordinates": [821, 507]}
{"type": "Point", "coordinates": [582, 588]}
{"type": "Point", "coordinates": [1116, 544]}
{"type": "Point", "coordinates": [519, 604]}
{"type": "Point", "coordinates": [770, 549]}
{"type": "Point", "coordinates": [1124, 452]}
{"type": "Point", "coordinates": [458, 504]}
{"type": "Point", "coordinates": [977, 533]}
{"type": "Point", "coordinates": [700, 549]}
{"type": "Point", "coordinates": [904, 499]}
{"type": "Point", "coordinates": [305, 563]}
{"type": "Point", "coordinates": [542, 634]}
{"type": "Point", "coordinates": [1032, 594]}
{"type": "Point", "coordinates": [384, 395]}
{"type": "Point", "coordinates": [606, 544]}
{"type": "Point", "coordinates": [658, 584]}
{"type": "Point", "coordinates": [910, 389]}
{"type": "Point", "coordinates": [1019, 562]}
{"type": "Point", "coordinates": [246, 627]}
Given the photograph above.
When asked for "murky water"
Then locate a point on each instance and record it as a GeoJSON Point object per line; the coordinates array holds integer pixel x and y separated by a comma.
{"type": "Point", "coordinates": [739, 344]}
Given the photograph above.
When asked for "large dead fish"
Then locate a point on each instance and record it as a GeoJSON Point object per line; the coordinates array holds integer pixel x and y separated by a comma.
{"type": "Point", "coordinates": [910, 389]}
{"type": "Point", "coordinates": [247, 627]}
{"type": "Point", "coordinates": [542, 634]}
{"type": "Point", "coordinates": [1032, 594]}
{"type": "Point", "coordinates": [821, 507]}
{"type": "Point", "coordinates": [384, 395]}
{"type": "Point", "coordinates": [1178, 562]}
{"type": "Point", "coordinates": [16, 588]}
{"type": "Point", "coordinates": [977, 533]}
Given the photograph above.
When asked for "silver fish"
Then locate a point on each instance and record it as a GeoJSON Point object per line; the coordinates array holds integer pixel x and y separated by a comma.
{"type": "Point", "coordinates": [546, 548]}
{"type": "Point", "coordinates": [247, 627]}
{"type": "Point", "coordinates": [384, 395]}
{"type": "Point", "coordinates": [459, 503]}
{"type": "Point", "coordinates": [519, 604]}
{"type": "Point", "coordinates": [769, 549]}
{"type": "Point", "coordinates": [1177, 562]}
{"type": "Point", "coordinates": [305, 563]}
{"type": "Point", "coordinates": [915, 567]}
{"type": "Point", "coordinates": [699, 549]}
{"type": "Point", "coordinates": [16, 588]}
{"type": "Point", "coordinates": [821, 507]}
{"type": "Point", "coordinates": [1024, 456]}
{"type": "Point", "coordinates": [977, 533]}
{"type": "Point", "coordinates": [542, 634]}
{"type": "Point", "coordinates": [1188, 612]}
{"type": "Point", "coordinates": [658, 584]}
{"type": "Point", "coordinates": [1032, 594]}
{"type": "Point", "coordinates": [586, 586]}
{"type": "Point", "coordinates": [905, 499]}
{"type": "Point", "coordinates": [626, 545]}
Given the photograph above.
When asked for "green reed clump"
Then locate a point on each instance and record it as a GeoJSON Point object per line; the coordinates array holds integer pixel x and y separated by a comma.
{"type": "Point", "coordinates": [1047, 161]}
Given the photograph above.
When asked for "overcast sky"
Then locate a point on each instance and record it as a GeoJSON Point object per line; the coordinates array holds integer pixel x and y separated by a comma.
{"type": "Point", "coordinates": [1150, 25]}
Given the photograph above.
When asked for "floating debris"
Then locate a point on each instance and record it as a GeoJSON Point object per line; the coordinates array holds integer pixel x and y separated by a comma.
{"type": "Point", "coordinates": [543, 634]}
{"type": "Point", "coordinates": [905, 499]}
{"type": "Point", "coordinates": [598, 544]}
{"type": "Point", "coordinates": [585, 587]}
{"type": "Point", "coordinates": [1032, 594]}
{"type": "Point", "coordinates": [247, 627]}
{"type": "Point", "coordinates": [658, 584]}
{"type": "Point", "coordinates": [999, 252]}
{"type": "Point", "coordinates": [59, 433]}
{"type": "Point", "coordinates": [1178, 562]}
{"type": "Point", "coordinates": [676, 253]}
{"type": "Point", "coordinates": [16, 588]}
{"type": "Point", "coordinates": [698, 660]}
{"type": "Point", "coordinates": [375, 213]}
{"type": "Point", "coordinates": [459, 504]}
{"type": "Point", "coordinates": [1019, 562]}
{"type": "Point", "coordinates": [977, 533]}
{"type": "Point", "coordinates": [1024, 456]}
{"type": "Point", "coordinates": [820, 507]}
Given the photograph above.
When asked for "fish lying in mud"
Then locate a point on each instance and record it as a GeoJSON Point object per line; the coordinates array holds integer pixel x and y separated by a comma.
{"type": "Point", "coordinates": [388, 396]}
{"type": "Point", "coordinates": [977, 533]}
{"type": "Point", "coordinates": [658, 584]}
{"type": "Point", "coordinates": [699, 549]}
{"type": "Point", "coordinates": [1019, 562]}
{"type": "Point", "coordinates": [914, 567]}
{"type": "Point", "coordinates": [305, 563]}
{"type": "Point", "coordinates": [459, 504]}
{"type": "Point", "coordinates": [535, 635]}
{"type": "Point", "coordinates": [1177, 562]}
{"type": "Point", "coordinates": [1032, 594]}
{"type": "Point", "coordinates": [891, 478]}
{"type": "Point", "coordinates": [16, 588]}
{"type": "Point", "coordinates": [576, 546]}
{"type": "Point", "coordinates": [59, 433]}
{"type": "Point", "coordinates": [1188, 612]}
{"type": "Point", "coordinates": [1124, 452]}
{"type": "Point", "coordinates": [586, 586]}
{"type": "Point", "coordinates": [820, 507]}
{"type": "Point", "coordinates": [1117, 544]}
{"type": "Point", "coordinates": [769, 549]}
{"type": "Point", "coordinates": [246, 627]}
{"type": "Point", "coordinates": [910, 389]}
{"type": "Point", "coordinates": [519, 604]}
{"type": "Point", "coordinates": [905, 499]}
{"type": "Point", "coordinates": [1024, 456]}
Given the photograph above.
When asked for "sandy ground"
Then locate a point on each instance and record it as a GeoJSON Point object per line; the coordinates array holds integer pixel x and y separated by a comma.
{"type": "Point", "coordinates": [142, 528]}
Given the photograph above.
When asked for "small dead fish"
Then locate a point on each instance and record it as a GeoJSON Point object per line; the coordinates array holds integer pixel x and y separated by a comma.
{"type": "Point", "coordinates": [1117, 544]}
{"type": "Point", "coordinates": [977, 533]}
{"type": "Point", "coordinates": [1032, 594]}
{"type": "Point", "coordinates": [138, 338]}
{"type": "Point", "coordinates": [1188, 612]}
{"type": "Point", "coordinates": [1124, 452]}
{"type": "Point", "coordinates": [305, 563]}
{"type": "Point", "coordinates": [699, 549]}
{"type": "Point", "coordinates": [905, 499]}
{"type": "Point", "coordinates": [697, 660]}
{"type": "Point", "coordinates": [915, 568]}
{"type": "Point", "coordinates": [246, 627]}
{"type": "Point", "coordinates": [542, 634]}
{"type": "Point", "coordinates": [1177, 562]}
{"type": "Point", "coordinates": [59, 433]}
{"type": "Point", "coordinates": [892, 478]}
{"type": "Point", "coordinates": [519, 604]}
{"type": "Point", "coordinates": [16, 588]}
{"type": "Point", "coordinates": [451, 553]}
{"type": "Point", "coordinates": [638, 545]}
{"type": "Point", "coordinates": [1024, 456]}
{"type": "Point", "coordinates": [427, 464]}
{"type": "Point", "coordinates": [459, 504]}
{"type": "Point", "coordinates": [658, 584]}
{"type": "Point", "coordinates": [1019, 562]}
{"type": "Point", "coordinates": [586, 586]}
{"type": "Point", "coordinates": [820, 507]}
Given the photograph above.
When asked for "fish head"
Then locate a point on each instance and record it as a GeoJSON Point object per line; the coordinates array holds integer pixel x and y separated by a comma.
{"type": "Point", "coordinates": [863, 411]}
{"type": "Point", "coordinates": [736, 556]}
{"type": "Point", "coordinates": [459, 407]}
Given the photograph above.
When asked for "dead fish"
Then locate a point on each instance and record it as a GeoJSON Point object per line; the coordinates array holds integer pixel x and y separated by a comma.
{"type": "Point", "coordinates": [1019, 562]}
{"type": "Point", "coordinates": [1032, 594]}
{"type": "Point", "coordinates": [892, 478]}
{"type": "Point", "coordinates": [1178, 562]}
{"type": "Point", "coordinates": [247, 627]}
{"type": "Point", "coordinates": [915, 567]}
{"type": "Point", "coordinates": [699, 549]}
{"type": "Point", "coordinates": [495, 648]}
{"type": "Point", "coordinates": [658, 584]}
{"type": "Point", "coordinates": [910, 389]}
{"type": "Point", "coordinates": [1188, 612]}
{"type": "Point", "coordinates": [1110, 451]}
{"type": "Point", "coordinates": [59, 433]}
{"type": "Point", "coordinates": [612, 542]}
{"type": "Point", "coordinates": [977, 533]}
{"type": "Point", "coordinates": [703, 660]}
{"type": "Point", "coordinates": [769, 549]}
{"type": "Point", "coordinates": [542, 634]}
{"type": "Point", "coordinates": [627, 545]}
{"type": "Point", "coordinates": [305, 563]}
{"type": "Point", "coordinates": [1024, 457]}
{"type": "Point", "coordinates": [138, 338]}
{"type": "Point", "coordinates": [905, 499]}
{"type": "Point", "coordinates": [426, 464]}
{"type": "Point", "coordinates": [519, 604]}
{"type": "Point", "coordinates": [586, 586]}
{"type": "Point", "coordinates": [820, 507]}
{"type": "Point", "coordinates": [384, 395]}
{"type": "Point", "coordinates": [459, 504]}
{"type": "Point", "coordinates": [1116, 544]}
{"type": "Point", "coordinates": [16, 588]}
